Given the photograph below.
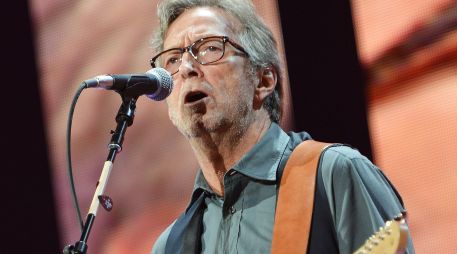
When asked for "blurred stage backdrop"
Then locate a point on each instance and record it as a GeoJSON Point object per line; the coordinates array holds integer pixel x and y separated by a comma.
{"type": "Point", "coordinates": [408, 53]}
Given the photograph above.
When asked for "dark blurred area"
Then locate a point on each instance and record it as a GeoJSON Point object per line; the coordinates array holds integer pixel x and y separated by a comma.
{"type": "Point", "coordinates": [326, 79]}
{"type": "Point", "coordinates": [29, 218]}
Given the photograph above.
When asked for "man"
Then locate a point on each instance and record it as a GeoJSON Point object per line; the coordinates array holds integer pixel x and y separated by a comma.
{"type": "Point", "coordinates": [225, 101]}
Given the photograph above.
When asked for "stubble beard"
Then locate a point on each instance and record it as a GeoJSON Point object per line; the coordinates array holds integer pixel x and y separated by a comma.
{"type": "Point", "coordinates": [231, 121]}
{"type": "Point", "coordinates": [199, 125]}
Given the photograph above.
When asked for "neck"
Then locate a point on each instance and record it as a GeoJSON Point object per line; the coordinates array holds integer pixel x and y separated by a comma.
{"type": "Point", "coordinates": [218, 152]}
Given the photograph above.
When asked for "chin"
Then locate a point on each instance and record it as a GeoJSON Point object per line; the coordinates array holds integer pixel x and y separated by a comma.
{"type": "Point", "coordinates": [206, 125]}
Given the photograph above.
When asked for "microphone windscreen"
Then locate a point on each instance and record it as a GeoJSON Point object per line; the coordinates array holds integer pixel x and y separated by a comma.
{"type": "Point", "coordinates": [165, 85]}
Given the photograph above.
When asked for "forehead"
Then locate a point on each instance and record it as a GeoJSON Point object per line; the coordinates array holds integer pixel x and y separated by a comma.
{"type": "Point", "coordinates": [198, 22]}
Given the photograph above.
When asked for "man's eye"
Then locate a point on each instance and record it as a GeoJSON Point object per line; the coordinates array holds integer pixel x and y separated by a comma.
{"type": "Point", "coordinates": [172, 60]}
{"type": "Point", "coordinates": [211, 48]}
{"type": "Point", "coordinates": [214, 48]}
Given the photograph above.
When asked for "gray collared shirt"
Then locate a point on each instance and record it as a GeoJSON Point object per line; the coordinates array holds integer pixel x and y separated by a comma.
{"type": "Point", "coordinates": [359, 197]}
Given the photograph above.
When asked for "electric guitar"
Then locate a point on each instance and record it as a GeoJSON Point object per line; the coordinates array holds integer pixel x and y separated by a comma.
{"type": "Point", "coordinates": [390, 239]}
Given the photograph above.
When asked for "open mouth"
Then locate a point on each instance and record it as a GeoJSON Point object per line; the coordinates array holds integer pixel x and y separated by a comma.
{"type": "Point", "coordinates": [194, 96]}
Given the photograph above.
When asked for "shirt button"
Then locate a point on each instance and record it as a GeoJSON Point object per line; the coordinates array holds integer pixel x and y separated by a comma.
{"type": "Point", "coordinates": [232, 210]}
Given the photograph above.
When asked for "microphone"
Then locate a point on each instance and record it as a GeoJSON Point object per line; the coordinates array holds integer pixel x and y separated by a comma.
{"type": "Point", "coordinates": [156, 83]}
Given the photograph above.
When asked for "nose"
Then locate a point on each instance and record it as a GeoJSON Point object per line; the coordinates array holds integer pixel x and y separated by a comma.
{"type": "Point", "coordinates": [189, 66]}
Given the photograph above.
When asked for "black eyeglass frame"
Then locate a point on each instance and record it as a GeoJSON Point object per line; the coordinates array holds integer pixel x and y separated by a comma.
{"type": "Point", "coordinates": [190, 47]}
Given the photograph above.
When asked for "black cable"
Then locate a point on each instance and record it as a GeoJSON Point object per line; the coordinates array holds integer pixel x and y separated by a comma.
{"type": "Point", "coordinates": [69, 167]}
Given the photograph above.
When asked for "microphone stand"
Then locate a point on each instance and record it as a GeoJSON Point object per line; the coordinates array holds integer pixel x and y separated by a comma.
{"type": "Point", "coordinates": [124, 119]}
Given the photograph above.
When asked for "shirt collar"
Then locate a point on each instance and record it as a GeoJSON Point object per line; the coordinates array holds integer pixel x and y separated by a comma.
{"type": "Point", "coordinates": [261, 162]}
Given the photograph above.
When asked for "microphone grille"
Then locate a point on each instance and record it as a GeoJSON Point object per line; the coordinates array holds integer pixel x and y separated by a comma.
{"type": "Point", "coordinates": [165, 85]}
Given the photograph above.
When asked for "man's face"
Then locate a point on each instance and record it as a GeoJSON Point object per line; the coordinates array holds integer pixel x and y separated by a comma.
{"type": "Point", "coordinates": [215, 97]}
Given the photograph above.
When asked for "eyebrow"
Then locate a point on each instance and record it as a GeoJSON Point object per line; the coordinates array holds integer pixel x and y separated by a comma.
{"type": "Point", "coordinates": [194, 40]}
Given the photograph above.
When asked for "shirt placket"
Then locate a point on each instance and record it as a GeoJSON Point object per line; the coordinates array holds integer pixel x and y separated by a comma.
{"type": "Point", "coordinates": [232, 210]}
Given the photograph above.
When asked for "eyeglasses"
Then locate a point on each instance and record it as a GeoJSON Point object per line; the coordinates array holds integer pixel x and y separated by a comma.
{"type": "Point", "coordinates": [205, 51]}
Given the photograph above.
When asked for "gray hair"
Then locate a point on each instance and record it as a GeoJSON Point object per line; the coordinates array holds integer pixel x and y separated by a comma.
{"type": "Point", "coordinates": [254, 36]}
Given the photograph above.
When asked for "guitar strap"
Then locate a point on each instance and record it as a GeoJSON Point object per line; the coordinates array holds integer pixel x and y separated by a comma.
{"type": "Point", "coordinates": [295, 203]}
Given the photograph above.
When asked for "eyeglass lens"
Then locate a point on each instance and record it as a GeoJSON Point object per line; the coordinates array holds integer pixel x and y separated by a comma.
{"type": "Point", "coordinates": [204, 52]}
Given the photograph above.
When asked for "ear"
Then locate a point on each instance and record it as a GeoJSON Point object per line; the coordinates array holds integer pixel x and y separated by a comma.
{"type": "Point", "coordinates": [268, 78]}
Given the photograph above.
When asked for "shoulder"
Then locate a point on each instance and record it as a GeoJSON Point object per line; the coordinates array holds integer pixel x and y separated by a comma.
{"type": "Point", "coordinates": [343, 153]}
{"type": "Point", "coordinates": [348, 174]}
{"type": "Point", "coordinates": [345, 170]}
{"type": "Point", "coordinates": [345, 161]}
{"type": "Point", "coordinates": [161, 242]}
